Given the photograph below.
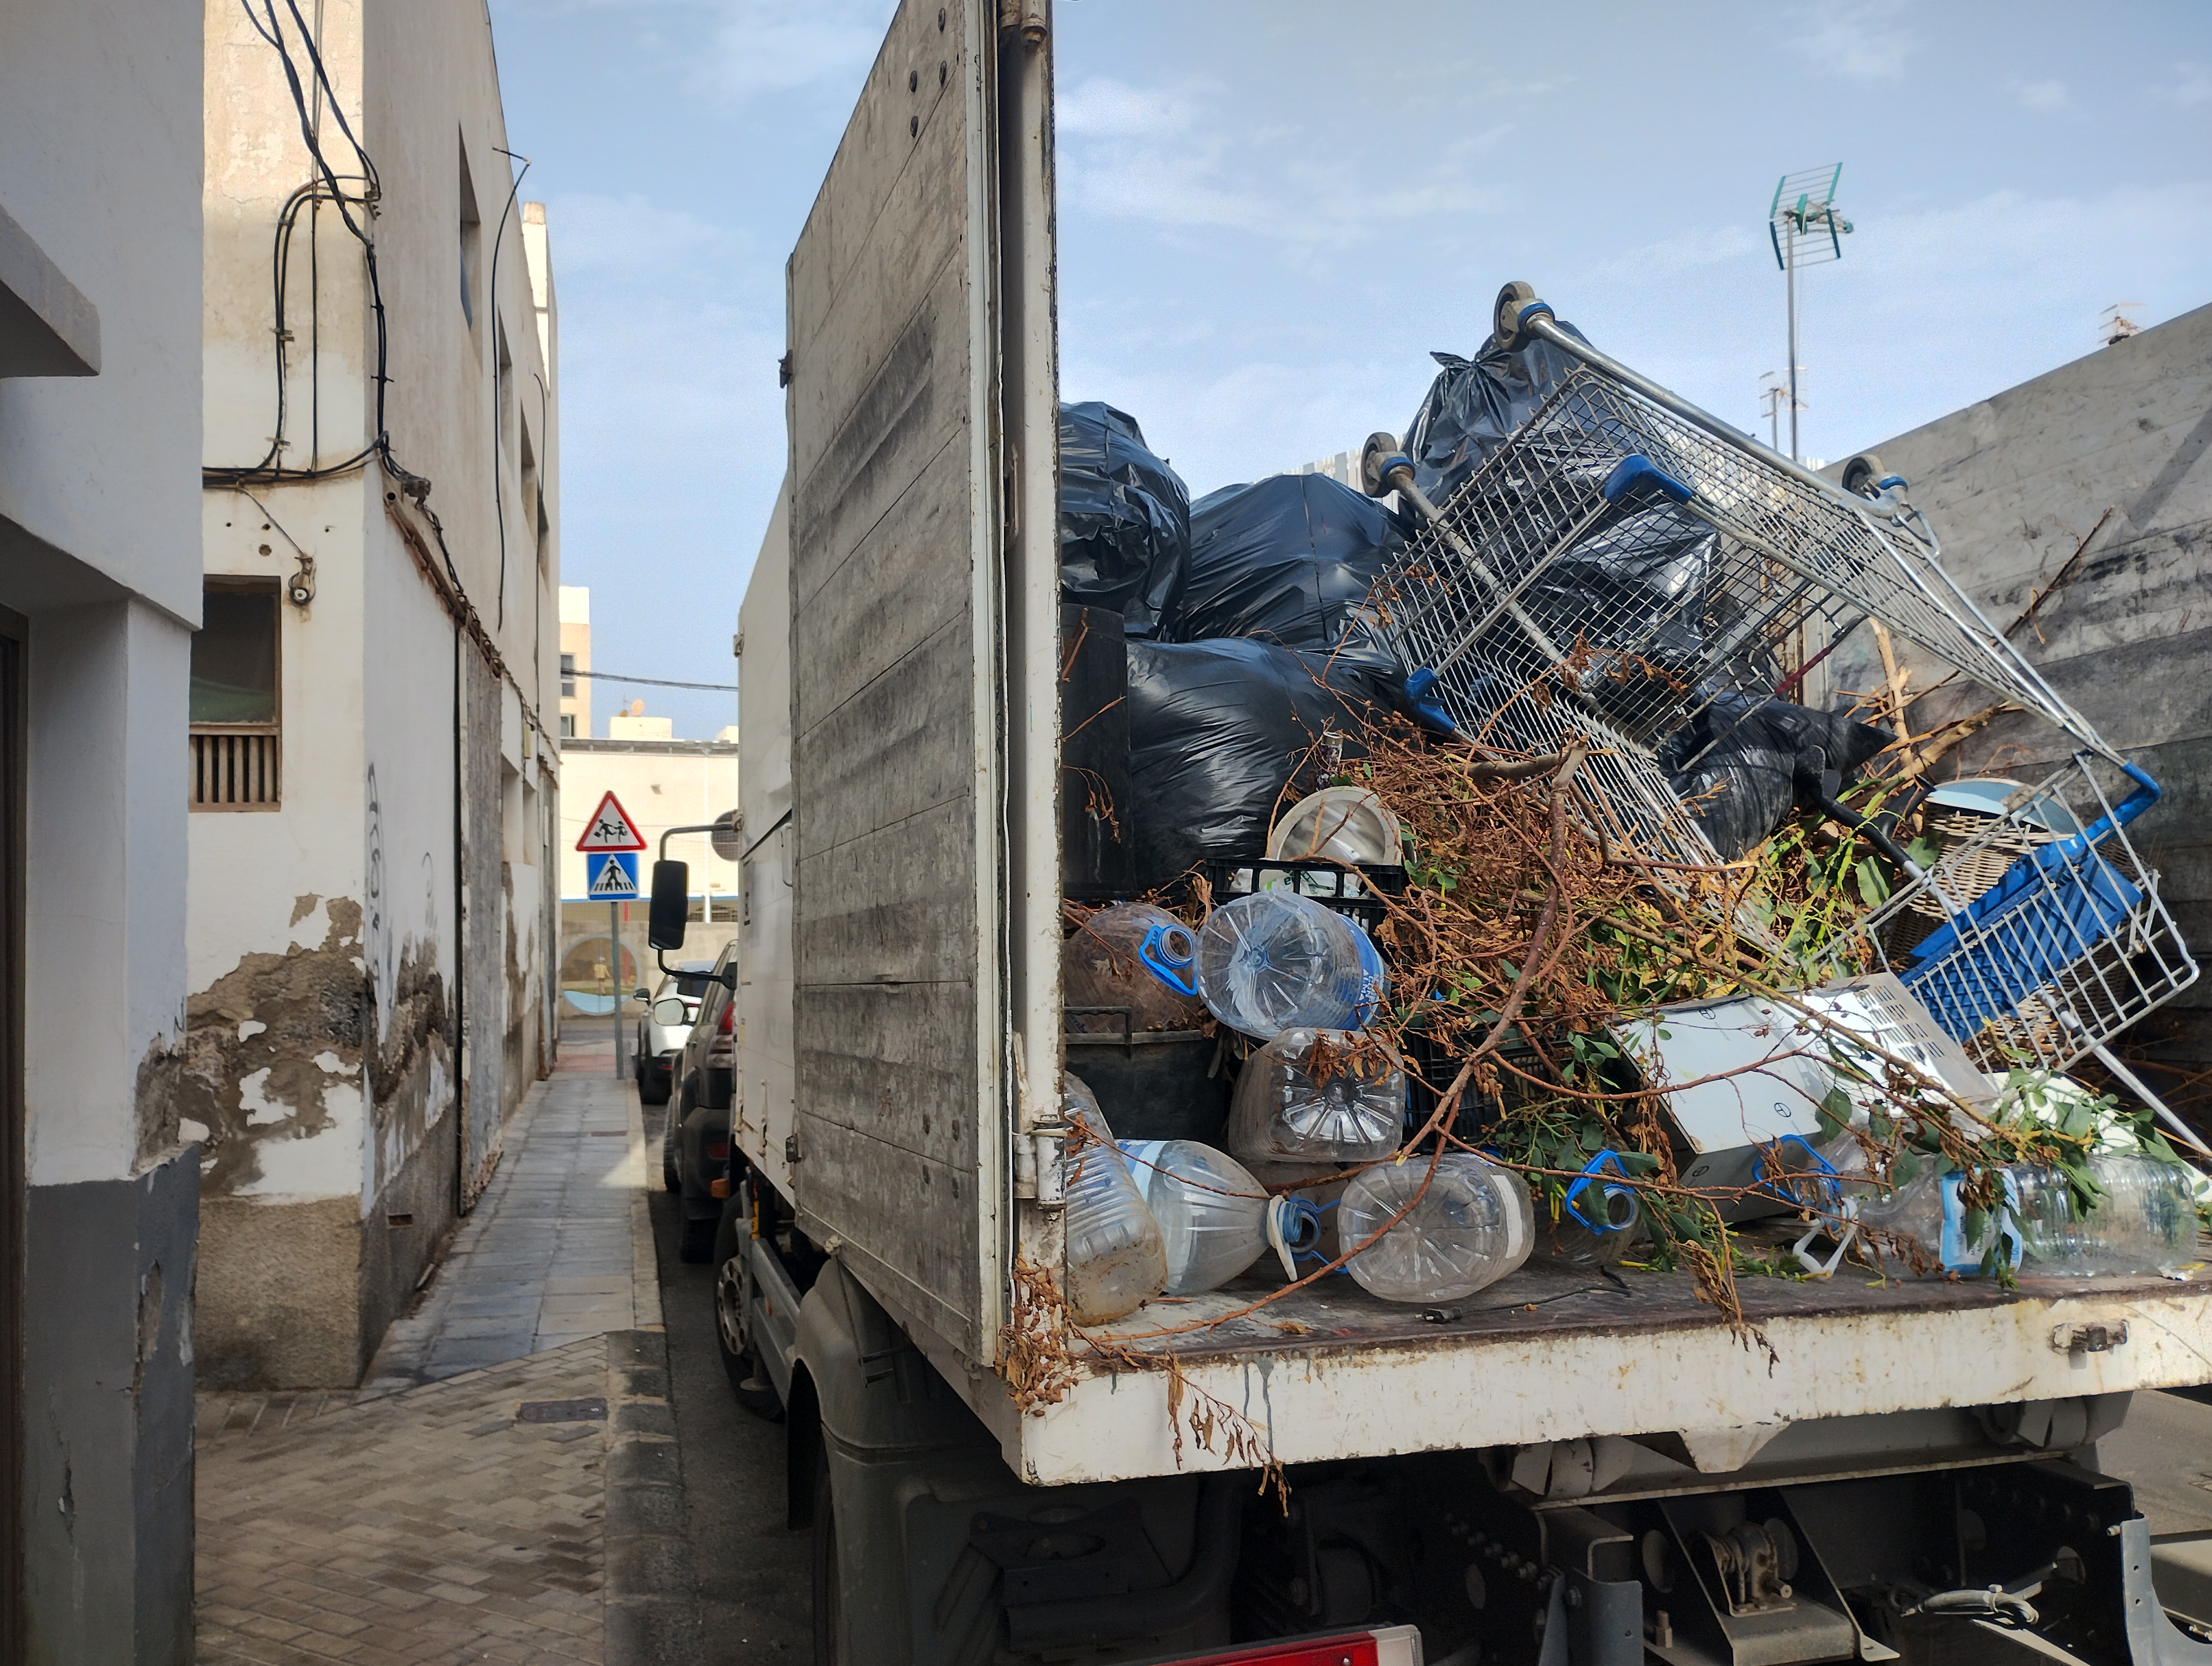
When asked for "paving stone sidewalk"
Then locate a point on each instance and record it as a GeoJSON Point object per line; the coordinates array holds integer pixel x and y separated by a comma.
{"type": "Point", "coordinates": [549, 1254]}
{"type": "Point", "coordinates": [421, 1518]}
{"type": "Point", "coordinates": [423, 1526]}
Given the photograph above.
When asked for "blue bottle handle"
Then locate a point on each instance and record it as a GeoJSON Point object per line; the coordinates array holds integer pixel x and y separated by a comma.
{"type": "Point", "coordinates": [1826, 1183]}
{"type": "Point", "coordinates": [1168, 962]}
{"type": "Point", "coordinates": [1593, 1176]}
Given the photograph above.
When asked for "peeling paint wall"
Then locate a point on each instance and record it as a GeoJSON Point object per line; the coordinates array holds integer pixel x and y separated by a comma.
{"type": "Point", "coordinates": [354, 1013]}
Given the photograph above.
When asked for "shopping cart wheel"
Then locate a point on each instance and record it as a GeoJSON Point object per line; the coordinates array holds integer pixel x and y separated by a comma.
{"type": "Point", "coordinates": [1505, 317]}
{"type": "Point", "coordinates": [1377, 458]}
{"type": "Point", "coordinates": [1861, 473]}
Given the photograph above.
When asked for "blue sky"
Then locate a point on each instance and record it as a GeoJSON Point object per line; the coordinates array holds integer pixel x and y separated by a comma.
{"type": "Point", "coordinates": [1270, 213]}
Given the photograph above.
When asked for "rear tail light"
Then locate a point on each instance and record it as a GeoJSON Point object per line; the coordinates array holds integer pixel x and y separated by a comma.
{"type": "Point", "coordinates": [718, 1151]}
{"type": "Point", "coordinates": [729, 1019]}
{"type": "Point", "coordinates": [1393, 1646]}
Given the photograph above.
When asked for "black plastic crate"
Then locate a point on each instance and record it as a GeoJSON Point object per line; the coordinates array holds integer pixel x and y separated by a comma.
{"type": "Point", "coordinates": [1354, 892]}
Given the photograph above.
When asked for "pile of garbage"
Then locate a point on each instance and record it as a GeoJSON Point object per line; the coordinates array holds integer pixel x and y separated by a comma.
{"type": "Point", "coordinates": [1365, 980]}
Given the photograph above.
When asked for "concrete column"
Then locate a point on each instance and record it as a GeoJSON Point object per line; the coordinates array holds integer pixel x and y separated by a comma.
{"type": "Point", "coordinates": [112, 1207]}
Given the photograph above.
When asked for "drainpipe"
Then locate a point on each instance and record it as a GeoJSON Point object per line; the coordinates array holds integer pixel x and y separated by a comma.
{"type": "Point", "coordinates": [460, 947]}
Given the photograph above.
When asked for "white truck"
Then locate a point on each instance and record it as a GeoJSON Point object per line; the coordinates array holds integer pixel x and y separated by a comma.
{"type": "Point", "coordinates": [1561, 1469]}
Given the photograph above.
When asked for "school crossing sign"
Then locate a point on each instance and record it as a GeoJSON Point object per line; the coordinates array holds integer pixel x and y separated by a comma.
{"type": "Point", "coordinates": [611, 842]}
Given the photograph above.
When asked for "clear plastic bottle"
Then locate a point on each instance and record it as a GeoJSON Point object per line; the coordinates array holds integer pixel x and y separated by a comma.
{"type": "Point", "coordinates": [1928, 1210]}
{"type": "Point", "coordinates": [2146, 1222]}
{"type": "Point", "coordinates": [1275, 961]}
{"type": "Point", "coordinates": [1212, 1215]}
{"type": "Point", "coordinates": [1307, 1097]}
{"type": "Point", "coordinates": [1473, 1226]}
{"type": "Point", "coordinates": [1115, 1259]}
{"type": "Point", "coordinates": [1134, 956]}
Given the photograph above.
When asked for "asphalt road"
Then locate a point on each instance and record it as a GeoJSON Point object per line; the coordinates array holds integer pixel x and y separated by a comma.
{"type": "Point", "coordinates": [2164, 1451]}
{"type": "Point", "coordinates": [755, 1585]}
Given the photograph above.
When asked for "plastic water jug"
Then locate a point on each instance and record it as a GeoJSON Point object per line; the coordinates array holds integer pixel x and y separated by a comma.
{"type": "Point", "coordinates": [2146, 1222]}
{"type": "Point", "coordinates": [1276, 961]}
{"type": "Point", "coordinates": [1471, 1227]}
{"type": "Point", "coordinates": [1597, 1218]}
{"type": "Point", "coordinates": [1214, 1218]}
{"type": "Point", "coordinates": [1309, 1097]}
{"type": "Point", "coordinates": [1134, 956]}
{"type": "Point", "coordinates": [1115, 1260]}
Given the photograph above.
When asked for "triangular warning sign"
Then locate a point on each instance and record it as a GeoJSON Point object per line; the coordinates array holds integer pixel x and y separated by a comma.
{"type": "Point", "coordinates": [614, 880]}
{"type": "Point", "coordinates": [610, 829]}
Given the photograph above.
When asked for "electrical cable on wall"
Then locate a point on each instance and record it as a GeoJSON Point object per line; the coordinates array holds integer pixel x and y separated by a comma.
{"type": "Point", "coordinates": [270, 470]}
{"type": "Point", "coordinates": [498, 498]}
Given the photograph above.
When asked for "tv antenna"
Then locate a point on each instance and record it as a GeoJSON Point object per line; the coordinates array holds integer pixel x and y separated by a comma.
{"type": "Point", "coordinates": [2118, 325]}
{"type": "Point", "coordinates": [1806, 231]}
{"type": "Point", "coordinates": [1770, 395]}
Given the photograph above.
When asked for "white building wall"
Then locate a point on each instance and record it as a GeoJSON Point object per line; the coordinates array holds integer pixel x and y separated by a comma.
{"type": "Point", "coordinates": [394, 949]}
{"type": "Point", "coordinates": [100, 170]}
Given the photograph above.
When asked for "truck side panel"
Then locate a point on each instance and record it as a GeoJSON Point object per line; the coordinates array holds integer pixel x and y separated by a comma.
{"type": "Point", "coordinates": [763, 1110]}
{"type": "Point", "coordinates": [892, 540]}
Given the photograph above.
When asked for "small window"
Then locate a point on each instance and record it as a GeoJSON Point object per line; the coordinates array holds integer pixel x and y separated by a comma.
{"type": "Point", "coordinates": [471, 239]}
{"type": "Point", "coordinates": [234, 699]}
{"type": "Point", "coordinates": [567, 725]}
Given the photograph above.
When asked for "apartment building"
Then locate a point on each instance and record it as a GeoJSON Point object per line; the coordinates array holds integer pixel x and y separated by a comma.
{"type": "Point", "coordinates": [374, 751]}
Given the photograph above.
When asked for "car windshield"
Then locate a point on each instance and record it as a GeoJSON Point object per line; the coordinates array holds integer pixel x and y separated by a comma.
{"type": "Point", "coordinates": [689, 985]}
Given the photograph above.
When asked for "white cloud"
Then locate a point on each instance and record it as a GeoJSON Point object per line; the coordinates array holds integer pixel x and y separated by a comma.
{"type": "Point", "coordinates": [1863, 42]}
{"type": "Point", "coordinates": [1166, 157]}
{"type": "Point", "coordinates": [1104, 108]}
{"type": "Point", "coordinates": [633, 238]}
{"type": "Point", "coordinates": [758, 46]}
{"type": "Point", "coordinates": [2042, 95]}
{"type": "Point", "coordinates": [2194, 85]}
{"type": "Point", "coordinates": [738, 48]}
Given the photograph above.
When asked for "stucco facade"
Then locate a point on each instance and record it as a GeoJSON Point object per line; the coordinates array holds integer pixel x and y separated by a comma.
{"type": "Point", "coordinates": [371, 903]}
{"type": "Point", "coordinates": [100, 591]}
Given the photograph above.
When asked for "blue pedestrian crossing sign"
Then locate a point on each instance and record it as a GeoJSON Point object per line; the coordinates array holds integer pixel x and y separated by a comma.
{"type": "Point", "coordinates": [613, 875]}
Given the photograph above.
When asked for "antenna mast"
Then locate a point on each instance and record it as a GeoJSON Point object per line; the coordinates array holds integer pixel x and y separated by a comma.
{"type": "Point", "coordinates": [1806, 231]}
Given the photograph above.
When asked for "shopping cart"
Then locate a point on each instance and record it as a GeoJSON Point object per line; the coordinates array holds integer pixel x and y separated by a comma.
{"type": "Point", "coordinates": [1682, 558]}
{"type": "Point", "coordinates": [1624, 562]}
{"type": "Point", "coordinates": [2067, 946]}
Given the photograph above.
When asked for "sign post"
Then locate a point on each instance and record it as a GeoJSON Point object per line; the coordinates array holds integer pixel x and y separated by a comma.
{"type": "Point", "coordinates": [611, 842]}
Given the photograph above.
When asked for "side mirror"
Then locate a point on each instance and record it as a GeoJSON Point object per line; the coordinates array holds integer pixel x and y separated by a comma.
{"type": "Point", "coordinates": [669, 1012]}
{"type": "Point", "coordinates": [672, 905]}
{"type": "Point", "coordinates": [642, 993]}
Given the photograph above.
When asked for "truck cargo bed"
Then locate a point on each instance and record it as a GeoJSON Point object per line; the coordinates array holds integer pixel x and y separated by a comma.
{"type": "Point", "coordinates": [1542, 1356]}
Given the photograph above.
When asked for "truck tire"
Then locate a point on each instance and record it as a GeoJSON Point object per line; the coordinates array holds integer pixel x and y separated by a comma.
{"type": "Point", "coordinates": [829, 1597]}
{"type": "Point", "coordinates": [733, 1289]}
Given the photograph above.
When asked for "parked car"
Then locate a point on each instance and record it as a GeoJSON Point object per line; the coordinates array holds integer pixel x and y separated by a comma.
{"type": "Point", "coordinates": [664, 1026]}
{"type": "Point", "coordinates": [695, 1147]}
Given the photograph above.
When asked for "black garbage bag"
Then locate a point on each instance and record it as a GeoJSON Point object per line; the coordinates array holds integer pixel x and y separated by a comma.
{"type": "Point", "coordinates": [1288, 559]}
{"type": "Point", "coordinates": [1124, 519]}
{"type": "Point", "coordinates": [1474, 404]}
{"type": "Point", "coordinates": [1758, 754]}
{"type": "Point", "coordinates": [1217, 730]}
